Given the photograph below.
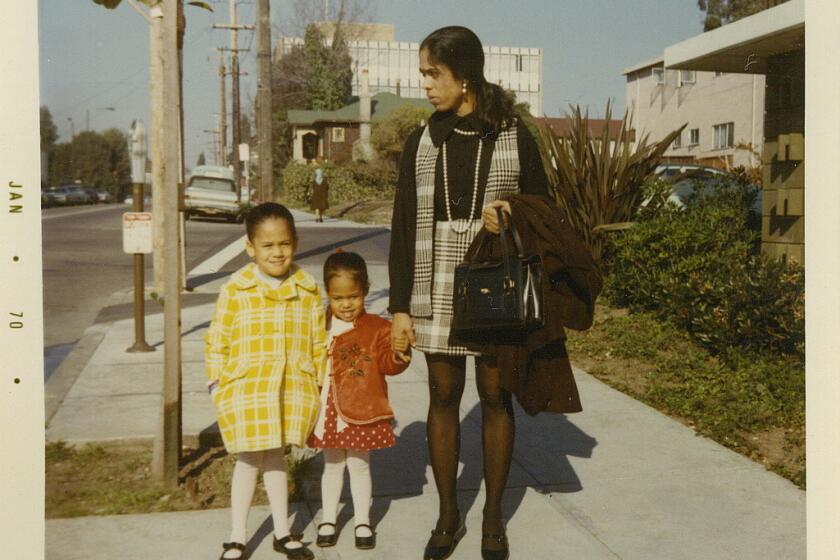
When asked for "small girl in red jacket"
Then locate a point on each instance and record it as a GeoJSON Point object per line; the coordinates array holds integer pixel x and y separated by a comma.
{"type": "Point", "coordinates": [355, 415]}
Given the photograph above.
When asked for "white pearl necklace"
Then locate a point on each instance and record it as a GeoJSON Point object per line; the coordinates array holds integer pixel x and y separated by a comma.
{"type": "Point", "coordinates": [452, 226]}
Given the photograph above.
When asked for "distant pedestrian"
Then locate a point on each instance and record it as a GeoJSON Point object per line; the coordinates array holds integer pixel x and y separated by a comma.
{"type": "Point", "coordinates": [265, 358]}
{"type": "Point", "coordinates": [319, 194]}
{"type": "Point", "coordinates": [355, 416]}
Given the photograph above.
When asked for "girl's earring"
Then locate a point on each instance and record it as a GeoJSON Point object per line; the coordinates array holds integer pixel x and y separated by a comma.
{"type": "Point", "coordinates": [464, 88]}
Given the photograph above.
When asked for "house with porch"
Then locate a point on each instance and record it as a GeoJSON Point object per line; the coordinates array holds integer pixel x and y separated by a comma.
{"type": "Point", "coordinates": [332, 135]}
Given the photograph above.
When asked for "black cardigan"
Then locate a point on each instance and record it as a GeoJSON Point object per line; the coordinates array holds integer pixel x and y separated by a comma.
{"type": "Point", "coordinates": [461, 155]}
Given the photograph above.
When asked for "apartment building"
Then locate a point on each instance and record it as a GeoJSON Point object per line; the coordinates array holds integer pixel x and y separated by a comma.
{"type": "Point", "coordinates": [724, 112]}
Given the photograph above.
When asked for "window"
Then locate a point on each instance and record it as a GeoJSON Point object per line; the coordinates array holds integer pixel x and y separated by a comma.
{"type": "Point", "coordinates": [338, 134]}
{"type": "Point", "coordinates": [724, 135]}
{"type": "Point", "coordinates": [687, 77]}
{"type": "Point", "coordinates": [518, 58]}
{"type": "Point", "coordinates": [659, 76]}
{"type": "Point", "coordinates": [694, 137]}
{"type": "Point", "coordinates": [677, 141]}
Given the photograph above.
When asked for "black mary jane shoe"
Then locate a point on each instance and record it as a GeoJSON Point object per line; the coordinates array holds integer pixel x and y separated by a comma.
{"type": "Point", "coordinates": [325, 541]}
{"type": "Point", "coordinates": [494, 554]}
{"type": "Point", "coordinates": [299, 553]}
{"type": "Point", "coordinates": [232, 546]}
{"type": "Point", "coordinates": [443, 552]}
{"type": "Point", "coordinates": [366, 543]}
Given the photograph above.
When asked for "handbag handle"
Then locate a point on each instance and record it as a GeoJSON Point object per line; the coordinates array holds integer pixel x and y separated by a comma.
{"type": "Point", "coordinates": [506, 257]}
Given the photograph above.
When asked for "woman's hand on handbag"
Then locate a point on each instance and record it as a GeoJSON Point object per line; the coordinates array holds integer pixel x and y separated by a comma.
{"type": "Point", "coordinates": [488, 214]}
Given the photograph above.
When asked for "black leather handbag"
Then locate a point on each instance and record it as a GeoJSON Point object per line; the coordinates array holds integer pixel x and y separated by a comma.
{"type": "Point", "coordinates": [494, 299]}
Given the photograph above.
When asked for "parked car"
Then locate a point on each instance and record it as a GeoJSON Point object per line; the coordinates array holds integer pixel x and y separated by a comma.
{"type": "Point", "coordinates": [147, 201]}
{"type": "Point", "coordinates": [47, 198]}
{"type": "Point", "coordinates": [77, 194]}
{"type": "Point", "coordinates": [686, 177]}
{"type": "Point", "coordinates": [211, 191]}
{"type": "Point", "coordinates": [92, 194]}
{"type": "Point", "coordinates": [68, 194]}
{"type": "Point", "coordinates": [103, 195]}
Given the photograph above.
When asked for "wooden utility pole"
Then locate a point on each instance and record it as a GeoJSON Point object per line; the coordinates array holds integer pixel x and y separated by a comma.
{"type": "Point", "coordinates": [264, 124]}
{"type": "Point", "coordinates": [234, 71]}
{"type": "Point", "coordinates": [234, 102]}
{"type": "Point", "coordinates": [167, 447]}
{"type": "Point", "coordinates": [223, 114]}
{"type": "Point", "coordinates": [156, 54]}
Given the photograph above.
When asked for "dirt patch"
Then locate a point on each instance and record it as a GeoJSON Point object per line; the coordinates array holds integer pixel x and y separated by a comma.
{"type": "Point", "coordinates": [98, 480]}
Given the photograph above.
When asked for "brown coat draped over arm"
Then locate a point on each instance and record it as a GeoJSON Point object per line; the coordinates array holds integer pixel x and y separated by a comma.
{"type": "Point", "coordinates": [537, 369]}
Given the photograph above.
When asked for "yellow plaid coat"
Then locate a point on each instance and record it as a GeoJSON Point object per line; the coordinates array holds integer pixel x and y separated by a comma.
{"type": "Point", "coordinates": [267, 349]}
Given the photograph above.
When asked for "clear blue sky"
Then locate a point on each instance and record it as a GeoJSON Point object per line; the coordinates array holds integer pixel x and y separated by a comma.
{"type": "Point", "coordinates": [92, 58]}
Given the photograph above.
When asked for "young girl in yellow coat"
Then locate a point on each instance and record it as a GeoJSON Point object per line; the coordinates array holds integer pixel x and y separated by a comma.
{"type": "Point", "coordinates": [265, 356]}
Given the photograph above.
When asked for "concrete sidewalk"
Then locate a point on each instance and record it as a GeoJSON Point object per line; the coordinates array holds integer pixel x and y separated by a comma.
{"type": "Point", "coordinates": [619, 480]}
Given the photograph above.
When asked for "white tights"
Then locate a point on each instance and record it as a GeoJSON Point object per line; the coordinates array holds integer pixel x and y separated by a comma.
{"type": "Point", "coordinates": [358, 463]}
{"type": "Point", "coordinates": [242, 489]}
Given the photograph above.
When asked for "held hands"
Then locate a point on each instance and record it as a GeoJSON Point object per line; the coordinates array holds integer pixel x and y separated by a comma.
{"type": "Point", "coordinates": [402, 336]}
{"type": "Point", "coordinates": [491, 220]}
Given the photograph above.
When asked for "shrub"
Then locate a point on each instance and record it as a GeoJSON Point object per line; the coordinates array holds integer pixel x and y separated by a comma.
{"type": "Point", "coordinates": [350, 182]}
{"type": "Point", "coordinates": [389, 134]}
{"type": "Point", "coordinates": [700, 268]}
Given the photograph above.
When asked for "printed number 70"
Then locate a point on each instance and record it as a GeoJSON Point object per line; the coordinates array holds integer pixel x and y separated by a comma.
{"type": "Point", "coordinates": [16, 324]}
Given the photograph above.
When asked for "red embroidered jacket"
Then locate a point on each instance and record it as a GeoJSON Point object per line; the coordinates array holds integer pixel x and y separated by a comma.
{"type": "Point", "coordinates": [360, 360]}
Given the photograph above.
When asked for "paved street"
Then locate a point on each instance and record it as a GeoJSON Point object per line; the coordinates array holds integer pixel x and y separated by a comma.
{"type": "Point", "coordinates": [83, 264]}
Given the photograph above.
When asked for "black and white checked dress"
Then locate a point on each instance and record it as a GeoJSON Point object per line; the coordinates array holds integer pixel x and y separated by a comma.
{"type": "Point", "coordinates": [439, 249]}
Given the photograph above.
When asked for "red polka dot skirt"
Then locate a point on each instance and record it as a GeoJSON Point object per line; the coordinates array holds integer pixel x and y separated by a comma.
{"type": "Point", "coordinates": [377, 435]}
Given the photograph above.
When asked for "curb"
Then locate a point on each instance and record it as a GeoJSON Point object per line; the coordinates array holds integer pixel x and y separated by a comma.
{"type": "Point", "coordinates": [66, 374]}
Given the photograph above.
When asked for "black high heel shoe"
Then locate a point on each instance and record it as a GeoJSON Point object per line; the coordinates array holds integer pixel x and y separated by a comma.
{"type": "Point", "coordinates": [442, 552]}
{"type": "Point", "coordinates": [496, 553]}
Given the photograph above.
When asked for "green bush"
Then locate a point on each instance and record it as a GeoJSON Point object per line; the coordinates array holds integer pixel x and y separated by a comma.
{"type": "Point", "coordinates": [349, 182]}
{"type": "Point", "coordinates": [700, 268]}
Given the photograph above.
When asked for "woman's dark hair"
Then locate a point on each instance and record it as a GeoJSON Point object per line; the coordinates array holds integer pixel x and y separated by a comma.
{"type": "Point", "coordinates": [258, 214]}
{"type": "Point", "coordinates": [352, 263]}
{"type": "Point", "coordinates": [460, 50]}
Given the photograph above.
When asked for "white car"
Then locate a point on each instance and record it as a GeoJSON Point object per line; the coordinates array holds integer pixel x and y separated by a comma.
{"type": "Point", "coordinates": [211, 191]}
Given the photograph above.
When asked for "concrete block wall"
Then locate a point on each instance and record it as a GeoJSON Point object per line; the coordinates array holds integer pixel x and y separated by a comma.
{"type": "Point", "coordinates": [783, 159]}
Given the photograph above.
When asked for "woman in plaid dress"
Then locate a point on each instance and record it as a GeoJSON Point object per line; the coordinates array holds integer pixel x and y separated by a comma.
{"type": "Point", "coordinates": [472, 152]}
{"type": "Point", "coordinates": [265, 356]}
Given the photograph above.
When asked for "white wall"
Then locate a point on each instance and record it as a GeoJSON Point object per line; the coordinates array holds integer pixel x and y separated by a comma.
{"type": "Point", "coordinates": [711, 100]}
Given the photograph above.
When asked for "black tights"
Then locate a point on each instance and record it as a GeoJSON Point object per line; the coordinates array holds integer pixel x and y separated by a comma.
{"type": "Point", "coordinates": [446, 385]}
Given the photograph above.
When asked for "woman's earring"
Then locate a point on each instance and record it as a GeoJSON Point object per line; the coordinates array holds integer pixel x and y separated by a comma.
{"type": "Point", "coordinates": [464, 88]}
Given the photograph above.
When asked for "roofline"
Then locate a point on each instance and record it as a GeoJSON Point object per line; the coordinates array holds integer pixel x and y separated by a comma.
{"type": "Point", "coordinates": [643, 65]}
{"type": "Point", "coordinates": [784, 17]}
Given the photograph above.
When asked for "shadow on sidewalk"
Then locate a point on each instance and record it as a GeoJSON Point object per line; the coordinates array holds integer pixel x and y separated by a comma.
{"type": "Point", "coordinates": [541, 452]}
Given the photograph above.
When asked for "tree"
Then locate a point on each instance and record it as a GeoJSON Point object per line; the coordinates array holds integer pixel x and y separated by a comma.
{"type": "Point", "coordinates": [721, 12]}
{"type": "Point", "coordinates": [95, 159]}
{"type": "Point", "coordinates": [388, 135]}
{"type": "Point", "coordinates": [49, 132]}
{"type": "Point", "coordinates": [328, 70]}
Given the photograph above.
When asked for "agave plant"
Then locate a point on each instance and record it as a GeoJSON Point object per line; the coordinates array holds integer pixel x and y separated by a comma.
{"type": "Point", "coordinates": [599, 183]}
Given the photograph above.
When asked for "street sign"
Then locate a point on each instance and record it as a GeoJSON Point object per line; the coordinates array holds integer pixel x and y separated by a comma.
{"type": "Point", "coordinates": [137, 232]}
{"type": "Point", "coordinates": [244, 152]}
